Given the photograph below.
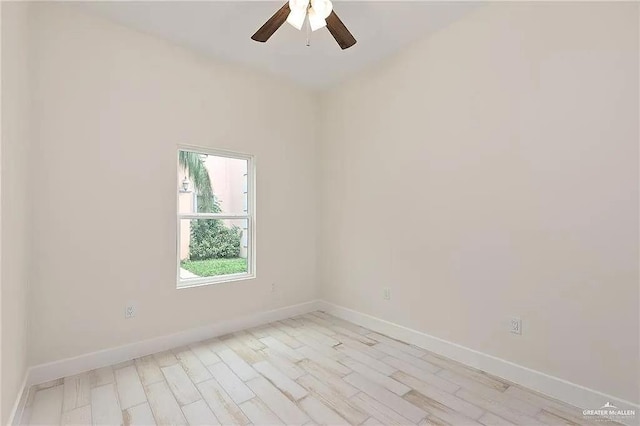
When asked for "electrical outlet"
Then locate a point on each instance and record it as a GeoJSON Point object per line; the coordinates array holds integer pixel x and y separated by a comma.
{"type": "Point", "coordinates": [516, 325]}
{"type": "Point", "coordinates": [273, 287]}
{"type": "Point", "coordinates": [130, 311]}
{"type": "Point", "coordinates": [386, 293]}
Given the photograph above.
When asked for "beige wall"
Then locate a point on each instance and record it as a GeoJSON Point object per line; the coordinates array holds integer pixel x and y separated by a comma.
{"type": "Point", "coordinates": [115, 104]}
{"type": "Point", "coordinates": [15, 262]}
{"type": "Point", "coordinates": [510, 141]}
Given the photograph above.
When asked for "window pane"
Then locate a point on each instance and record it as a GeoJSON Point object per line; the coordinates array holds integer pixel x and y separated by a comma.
{"type": "Point", "coordinates": [211, 184]}
{"type": "Point", "coordinates": [213, 247]}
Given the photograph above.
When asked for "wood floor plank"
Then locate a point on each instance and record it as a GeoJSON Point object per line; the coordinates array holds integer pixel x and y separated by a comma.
{"type": "Point", "coordinates": [204, 354]}
{"type": "Point", "coordinates": [548, 418]}
{"type": "Point", "coordinates": [105, 409]}
{"type": "Point", "coordinates": [371, 422]}
{"type": "Point", "coordinates": [473, 380]}
{"type": "Point", "coordinates": [276, 345]}
{"type": "Point", "coordinates": [259, 413]}
{"type": "Point", "coordinates": [182, 387]}
{"type": "Point", "coordinates": [101, 376]}
{"type": "Point", "coordinates": [217, 345]}
{"type": "Point", "coordinates": [47, 406]}
{"type": "Point", "coordinates": [322, 329]}
{"type": "Point", "coordinates": [421, 374]}
{"type": "Point", "coordinates": [374, 363]}
{"type": "Point", "coordinates": [386, 397]}
{"type": "Point", "coordinates": [250, 340]}
{"type": "Point", "coordinates": [77, 391]}
{"type": "Point", "coordinates": [330, 379]}
{"type": "Point", "coordinates": [415, 361]}
{"type": "Point", "coordinates": [199, 414]}
{"type": "Point", "coordinates": [250, 356]}
{"type": "Point", "coordinates": [552, 406]}
{"type": "Point", "coordinates": [496, 408]}
{"type": "Point", "coordinates": [288, 329]}
{"type": "Point", "coordinates": [292, 322]}
{"type": "Point", "coordinates": [543, 402]}
{"type": "Point", "coordinates": [353, 335]}
{"type": "Point", "coordinates": [302, 319]}
{"type": "Point", "coordinates": [277, 401]}
{"type": "Point", "coordinates": [438, 409]}
{"type": "Point", "coordinates": [370, 350]}
{"type": "Point", "coordinates": [340, 322]}
{"type": "Point", "coordinates": [502, 398]}
{"type": "Point", "coordinates": [140, 415]}
{"type": "Point", "coordinates": [285, 338]}
{"type": "Point", "coordinates": [148, 370]}
{"type": "Point", "coordinates": [489, 419]}
{"type": "Point", "coordinates": [318, 345]}
{"type": "Point", "coordinates": [404, 347]}
{"type": "Point", "coordinates": [191, 364]}
{"type": "Point", "coordinates": [238, 365]}
{"type": "Point", "coordinates": [326, 362]}
{"type": "Point", "coordinates": [321, 337]}
{"type": "Point", "coordinates": [444, 398]}
{"type": "Point", "coordinates": [165, 359]}
{"type": "Point", "coordinates": [130, 391]}
{"type": "Point", "coordinates": [320, 413]}
{"type": "Point", "coordinates": [574, 418]}
{"type": "Point", "coordinates": [379, 411]}
{"type": "Point", "coordinates": [332, 399]}
{"type": "Point", "coordinates": [80, 416]}
{"type": "Point", "coordinates": [288, 368]}
{"type": "Point", "coordinates": [122, 364]}
{"type": "Point", "coordinates": [286, 385]}
{"type": "Point", "coordinates": [433, 420]}
{"type": "Point", "coordinates": [164, 406]}
{"type": "Point", "coordinates": [260, 331]}
{"type": "Point", "coordinates": [318, 320]}
{"type": "Point", "coordinates": [221, 404]}
{"type": "Point", "coordinates": [237, 390]}
{"type": "Point", "coordinates": [371, 374]}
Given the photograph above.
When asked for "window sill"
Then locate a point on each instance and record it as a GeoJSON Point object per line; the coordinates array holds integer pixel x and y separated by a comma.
{"type": "Point", "coordinates": [201, 282]}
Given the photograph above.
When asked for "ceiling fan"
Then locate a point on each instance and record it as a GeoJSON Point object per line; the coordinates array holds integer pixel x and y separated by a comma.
{"type": "Point", "coordinates": [317, 13]}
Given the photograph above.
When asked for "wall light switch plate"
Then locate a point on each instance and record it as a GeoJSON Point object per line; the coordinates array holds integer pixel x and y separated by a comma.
{"type": "Point", "coordinates": [386, 294]}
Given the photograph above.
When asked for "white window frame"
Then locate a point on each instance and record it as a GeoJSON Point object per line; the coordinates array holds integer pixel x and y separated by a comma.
{"type": "Point", "coordinates": [249, 215]}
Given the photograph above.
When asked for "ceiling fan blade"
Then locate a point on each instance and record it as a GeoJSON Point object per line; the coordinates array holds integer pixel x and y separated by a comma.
{"type": "Point", "coordinates": [339, 31]}
{"type": "Point", "coordinates": [272, 24]}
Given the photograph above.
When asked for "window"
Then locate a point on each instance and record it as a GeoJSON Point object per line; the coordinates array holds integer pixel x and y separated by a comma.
{"type": "Point", "coordinates": [215, 217]}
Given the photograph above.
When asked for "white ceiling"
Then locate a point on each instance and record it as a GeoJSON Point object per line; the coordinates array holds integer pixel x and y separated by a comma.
{"type": "Point", "coordinates": [222, 29]}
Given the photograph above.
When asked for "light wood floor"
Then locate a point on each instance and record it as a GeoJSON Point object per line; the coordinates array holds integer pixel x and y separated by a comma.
{"type": "Point", "coordinates": [313, 369]}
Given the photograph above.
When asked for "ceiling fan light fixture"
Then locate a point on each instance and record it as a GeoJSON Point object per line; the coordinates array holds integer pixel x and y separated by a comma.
{"type": "Point", "coordinates": [322, 8]}
{"type": "Point", "coordinates": [316, 21]}
{"type": "Point", "coordinates": [295, 12]}
{"type": "Point", "coordinates": [296, 18]}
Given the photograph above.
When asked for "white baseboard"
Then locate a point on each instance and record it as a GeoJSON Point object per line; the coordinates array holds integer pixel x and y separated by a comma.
{"type": "Point", "coordinates": [18, 406]}
{"type": "Point", "coordinates": [70, 366]}
{"type": "Point", "coordinates": [551, 386]}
